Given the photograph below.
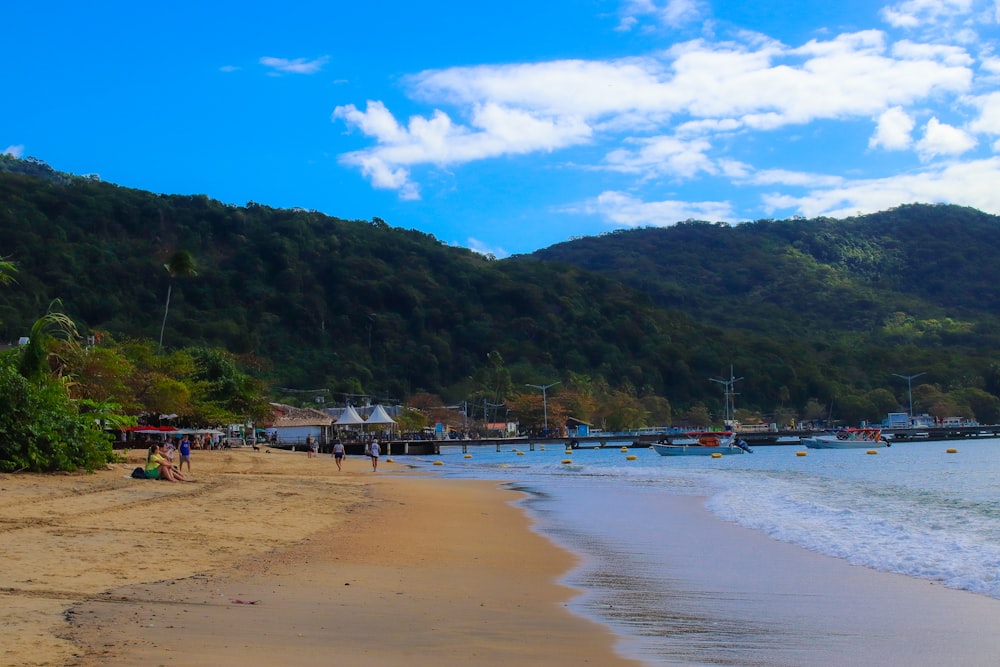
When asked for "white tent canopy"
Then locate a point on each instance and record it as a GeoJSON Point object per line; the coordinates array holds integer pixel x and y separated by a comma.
{"type": "Point", "coordinates": [379, 416]}
{"type": "Point", "coordinates": [350, 417]}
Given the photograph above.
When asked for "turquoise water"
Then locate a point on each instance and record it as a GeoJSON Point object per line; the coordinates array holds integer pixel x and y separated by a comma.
{"type": "Point", "coordinates": [912, 509]}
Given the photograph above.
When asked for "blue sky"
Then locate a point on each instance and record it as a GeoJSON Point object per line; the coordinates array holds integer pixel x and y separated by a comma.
{"type": "Point", "coordinates": [507, 127]}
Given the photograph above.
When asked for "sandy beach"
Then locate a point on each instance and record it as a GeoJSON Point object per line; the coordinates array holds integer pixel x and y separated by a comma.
{"type": "Point", "coordinates": [276, 558]}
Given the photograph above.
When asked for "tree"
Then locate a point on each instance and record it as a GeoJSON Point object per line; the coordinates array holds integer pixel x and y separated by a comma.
{"type": "Point", "coordinates": [698, 416]}
{"type": "Point", "coordinates": [7, 271]}
{"type": "Point", "coordinates": [181, 264]}
{"type": "Point", "coordinates": [34, 362]}
{"type": "Point", "coordinates": [411, 421]}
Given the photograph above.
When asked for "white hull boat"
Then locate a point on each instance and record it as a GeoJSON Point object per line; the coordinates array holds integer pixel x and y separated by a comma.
{"type": "Point", "coordinates": [701, 444]}
{"type": "Point", "coordinates": [852, 438]}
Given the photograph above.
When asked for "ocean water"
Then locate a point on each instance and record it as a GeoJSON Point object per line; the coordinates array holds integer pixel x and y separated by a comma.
{"type": "Point", "coordinates": [913, 509]}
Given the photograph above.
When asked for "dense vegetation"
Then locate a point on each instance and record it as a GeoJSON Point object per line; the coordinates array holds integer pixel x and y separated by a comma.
{"type": "Point", "coordinates": [817, 316]}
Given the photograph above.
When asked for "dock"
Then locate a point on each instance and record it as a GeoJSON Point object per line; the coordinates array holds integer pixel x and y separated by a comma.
{"type": "Point", "coordinates": [757, 438]}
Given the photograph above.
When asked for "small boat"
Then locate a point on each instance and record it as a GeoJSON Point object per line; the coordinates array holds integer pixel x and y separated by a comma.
{"type": "Point", "coordinates": [850, 438]}
{"type": "Point", "coordinates": [701, 444]}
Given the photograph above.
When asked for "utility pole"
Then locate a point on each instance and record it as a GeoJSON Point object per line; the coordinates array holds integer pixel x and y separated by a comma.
{"type": "Point", "coordinates": [545, 408]}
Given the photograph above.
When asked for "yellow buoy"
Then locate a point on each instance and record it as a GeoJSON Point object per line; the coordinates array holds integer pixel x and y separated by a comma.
{"type": "Point", "coordinates": [468, 456]}
{"type": "Point", "coordinates": [716, 455]}
{"type": "Point", "coordinates": [872, 451]}
{"type": "Point", "coordinates": [388, 460]}
{"type": "Point", "coordinates": [624, 449]}
{"type": "Point", "coordinates": [631, 457]}
{"type": "Point", "coordinates": [567, 460]}
{"type": "Point", "coordinates": [800, 453]}
{"type": "Point", "coordinates": [568, 452]}
{"type": "Point", "coordinates": [439, 463]}
{"type": "Point", "coordinates": [952, 450]}
{"type": "Point", "coordinates": [520, 453]}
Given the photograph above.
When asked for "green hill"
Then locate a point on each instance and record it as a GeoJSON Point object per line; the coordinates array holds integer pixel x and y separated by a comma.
{"type": "Point", "coordinates": [803, 309]}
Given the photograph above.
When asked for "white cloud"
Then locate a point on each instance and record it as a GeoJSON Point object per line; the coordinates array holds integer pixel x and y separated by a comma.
{"type": "Point", "coordinates": [988, 121]}
{"type": "Point", "coordinates": [944, 53]}
{"type": "Point", "coordinates": [663, 155]}
{"type": "Point", "coordinates": [493, 131]}
{"type": "Point", "coordinates": [16, 150]}
{"type": "Point", "coordinates": [699, 87]}
{"type": "Point", "coordinates": [793, 178]}
{"type": "Point", "coordinates": [990, 65]}
{"type": "Point", "coordinates": [851, 75]}
{"type": "Point", "coordinates": [915, 13]}
{"type": "Point", "coordinates": [894, 130]}
{"type": "Point", "coordinates": [297, 66]}
{"type": "Point", "coordinates": [969, 184]}
{"type": "Point", "coordinates": [943, 139]}
{"type": "Point", "coordinates": [669, 13]}
{"type": "Point", "coordinates": [623, 209]}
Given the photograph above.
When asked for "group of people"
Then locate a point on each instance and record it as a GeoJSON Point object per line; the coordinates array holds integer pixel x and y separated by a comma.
{"type": "Point", "coordinates": [339, 453]}
{"type": "Point", "coordinates": [160, 461]}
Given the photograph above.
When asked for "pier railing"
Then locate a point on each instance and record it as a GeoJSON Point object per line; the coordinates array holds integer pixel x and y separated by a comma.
{"type": "Point", "coordinates": [400, 447]}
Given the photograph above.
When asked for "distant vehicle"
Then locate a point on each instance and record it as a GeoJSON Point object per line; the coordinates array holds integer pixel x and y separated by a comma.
{"type": "Point", "coordinates": [233, 442]}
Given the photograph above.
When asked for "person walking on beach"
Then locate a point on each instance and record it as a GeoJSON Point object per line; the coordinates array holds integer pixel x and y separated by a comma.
{"type": "Point", "coordinates": [374, 452]}
{"type": "Point", "coordinates": [338, 454]}
{"type": "Point", "coordinates": [310, 446]}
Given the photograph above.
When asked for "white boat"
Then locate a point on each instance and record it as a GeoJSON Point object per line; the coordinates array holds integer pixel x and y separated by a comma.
{"type": "Point", "coordinates": [701, 444]}
{"type": "Point", "coordinates": [851, 438]}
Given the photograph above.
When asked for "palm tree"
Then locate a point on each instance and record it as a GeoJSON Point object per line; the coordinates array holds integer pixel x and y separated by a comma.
{"type": "Point", "coordinates": [7, 271]}
{"type": "Point", "coordinates": [181, 263]}
{"type": "Point", "coordinates": [34, 362]}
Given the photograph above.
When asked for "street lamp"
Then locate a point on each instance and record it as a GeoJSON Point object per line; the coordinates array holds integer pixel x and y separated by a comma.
{"type": "Point", "coordinates": [909, 385]}
{"type": "Point", "coordinates": [545, 405]}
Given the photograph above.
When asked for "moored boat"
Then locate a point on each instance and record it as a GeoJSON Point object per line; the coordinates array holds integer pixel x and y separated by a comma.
{"type": "Point", "coordinates": [701, 444]}
{"type": "Point", "coordinates": [850, 438]}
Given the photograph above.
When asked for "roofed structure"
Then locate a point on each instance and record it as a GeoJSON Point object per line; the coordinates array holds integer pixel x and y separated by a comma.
{"type": "Point", "coordinates": [286, 416]}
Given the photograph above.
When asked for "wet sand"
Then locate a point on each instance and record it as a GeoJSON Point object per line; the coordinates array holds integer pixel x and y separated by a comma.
{"type": "Point", "coordinates": [715, 593]}
{"type": "Point", "coordinates": [279, 559]}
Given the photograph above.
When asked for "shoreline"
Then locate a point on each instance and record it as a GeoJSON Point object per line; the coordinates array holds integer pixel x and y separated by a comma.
{"type": "Point", "coordinates": [706, 591]}
{"type": "Point", "coordinates": [280, 559]}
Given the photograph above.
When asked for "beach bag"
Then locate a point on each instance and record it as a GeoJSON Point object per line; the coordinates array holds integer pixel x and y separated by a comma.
{"type": "Point", "coordinates": [139, 473]}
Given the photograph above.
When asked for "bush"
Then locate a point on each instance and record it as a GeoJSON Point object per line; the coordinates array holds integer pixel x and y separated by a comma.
{"type": "Point", "coordinates": [41, 428]}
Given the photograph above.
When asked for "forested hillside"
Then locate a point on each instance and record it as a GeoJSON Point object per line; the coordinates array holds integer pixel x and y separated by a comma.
{"type": "Point", "coordinates": [809, 312]}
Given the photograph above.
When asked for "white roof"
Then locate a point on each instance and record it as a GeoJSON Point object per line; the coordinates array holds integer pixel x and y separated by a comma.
{"type": "Point", "coordinates": [380, 416]}
{"type": "Point", "coordinates": [350, 417]}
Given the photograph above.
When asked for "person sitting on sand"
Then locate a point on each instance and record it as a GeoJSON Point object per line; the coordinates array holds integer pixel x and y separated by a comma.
{"type": "Point", "coordinates": [159, 467]}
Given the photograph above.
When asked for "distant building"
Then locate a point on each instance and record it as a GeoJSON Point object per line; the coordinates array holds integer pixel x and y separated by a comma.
{"type": "Point", "coordinates": [292, 425]}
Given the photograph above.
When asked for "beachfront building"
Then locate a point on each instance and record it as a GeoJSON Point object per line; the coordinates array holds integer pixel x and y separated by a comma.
{"type": "Point", "coordinates": [292, 425]}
